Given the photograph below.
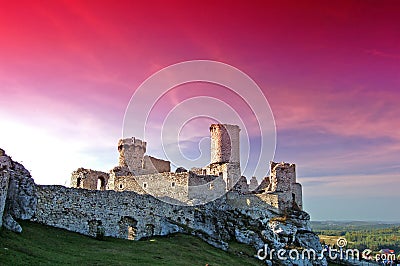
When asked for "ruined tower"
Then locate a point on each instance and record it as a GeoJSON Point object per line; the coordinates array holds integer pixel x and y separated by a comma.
{"type": "Point", "coordinates": [224, 143]}
{"type": "Point", "coordinates": [283, 181]}
{"type": "Point", "coordinates": [131, 153]}
{"type": "Point", "coordinates": [225, 153]}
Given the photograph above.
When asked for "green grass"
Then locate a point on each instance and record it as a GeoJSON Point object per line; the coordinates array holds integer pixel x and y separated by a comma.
{"type": "Point", "coordinates": [44, 245]}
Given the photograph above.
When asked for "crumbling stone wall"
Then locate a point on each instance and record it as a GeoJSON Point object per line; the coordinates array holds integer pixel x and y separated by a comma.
{"type": "Point", "coordinates": [241, 186]}
{"type": "Point", "coordinates": [282, 183]}
{"type": "Point", "coordinates": [283, 175]}
{"type": "Point", "coordinates": [244, 218]}
{"type": "Point", "coordinates": [230, 172]}
{"type": "Point", "coordinates": [264, 185]}
{"type": "Point", "coordinates": [155, 165]}
{"type": "Point", "coordinates": [89, 179]}
{"type": "Point", "coordinates": [205, 188]}
{"type": "Point", "coordinates": [126, 183]}
{"type": "Point", "coordinates": [168, 186]}
{"type": "Point", "coordinates": [120, 214]}
{"type": "Point", "coordinates": [183, 187]}
{"type": "Point", "coordinates": [298, 194]}
{"type": "Point", "coordinates": [83, 211]}
{"type": "Point", "coordinates": [251, 201]}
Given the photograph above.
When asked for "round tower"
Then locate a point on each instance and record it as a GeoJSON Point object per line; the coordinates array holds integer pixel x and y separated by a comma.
{"type": "Point", "coordinates": [224, 143]}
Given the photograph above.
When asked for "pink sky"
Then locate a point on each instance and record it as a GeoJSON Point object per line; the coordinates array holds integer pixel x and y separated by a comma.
{"type": "Point", "coordinates": [330, 71]}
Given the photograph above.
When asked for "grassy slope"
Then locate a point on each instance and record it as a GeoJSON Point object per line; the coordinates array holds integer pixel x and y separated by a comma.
{"type": "Point", "coordinates": [39, 244]}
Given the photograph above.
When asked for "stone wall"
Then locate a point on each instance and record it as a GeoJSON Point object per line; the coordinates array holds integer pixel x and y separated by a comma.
{"type": "Point", "coordinates": [252, 201]}
{"type": "Point", "coordinates": [264, 185]}
{"type": "Point", "coordinates": [205, 188]}
{"type": "Point", "coordinates": [155, 165]}
{"type": "Point", "coordinates": [298, 193]}
{"type": "Point", "coordinates": [171, 187]}
{"type": "Point", "coordinates": [283, 175]}
{"type": "Point", "coordinates": [81, 210]}
{"type": "Point", "coordinates": [282, 182]}
{"type": "Point", "coordinates": [118, 214]}
{"type": "Point", "coordinates": [230, 172]}
{"type": "Point", "coordinates": [126, 183]}
{"type": "Point", "coordinates": [234, 217]}
{"type": "Point", "coordinates": [89, 179]}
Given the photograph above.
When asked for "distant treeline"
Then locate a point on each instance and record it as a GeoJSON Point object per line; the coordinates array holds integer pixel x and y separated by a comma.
{"type": "Point", "coordinates": [362, 235]}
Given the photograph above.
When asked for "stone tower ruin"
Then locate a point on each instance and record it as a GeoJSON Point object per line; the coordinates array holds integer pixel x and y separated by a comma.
{"type": "Point", "coordinates": [225, 153]}
{"type": "Point", "coordinates": [131, 153]}
{"type": "Point", "coordinates": [224, 143]}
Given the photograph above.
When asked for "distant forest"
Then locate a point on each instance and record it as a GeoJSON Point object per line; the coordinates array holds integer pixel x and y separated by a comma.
{"type": "Point", "coordinates": [362, 235]}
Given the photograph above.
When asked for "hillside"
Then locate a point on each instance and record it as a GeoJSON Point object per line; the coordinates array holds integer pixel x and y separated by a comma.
{"type": "Point", "coordinates": [39, 244]}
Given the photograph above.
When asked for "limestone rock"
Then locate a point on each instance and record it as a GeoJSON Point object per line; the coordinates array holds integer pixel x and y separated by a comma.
{"type": "Point", "coordinates": [11, 224]}
{"type": "Point", "coordinates": [283, 230]}
{"type": "Point", "coordinates": [21, 200]}
{"type": "Point", "coordinates": [20, 197]}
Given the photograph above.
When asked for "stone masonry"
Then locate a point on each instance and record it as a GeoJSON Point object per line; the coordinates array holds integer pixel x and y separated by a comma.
{"type": "Point", "coordinates": [148, 175]}
{"type": "Point", "coordinates": [89, 179]}
{"type": "Point", "coordinates": [282, 182]}
{"type": "Point", "coordinates": [247, 218]}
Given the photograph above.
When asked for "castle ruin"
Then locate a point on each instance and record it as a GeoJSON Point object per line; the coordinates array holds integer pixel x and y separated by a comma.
{"type": "Point", "coordinates": [121, 203]}
{"type": "Point", "coordinates": [144, 174]}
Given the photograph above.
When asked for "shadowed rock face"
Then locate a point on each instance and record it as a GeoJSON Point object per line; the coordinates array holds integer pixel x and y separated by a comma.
{"type": "Point", "coordinates": [18, 199]}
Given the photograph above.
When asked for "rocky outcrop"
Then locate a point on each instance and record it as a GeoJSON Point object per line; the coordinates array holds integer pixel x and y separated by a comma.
{"type": "Point", "coordinates": [18, 190]}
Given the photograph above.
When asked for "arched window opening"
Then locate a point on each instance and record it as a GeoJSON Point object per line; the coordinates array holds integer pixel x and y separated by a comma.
{"type": "Point", "coordinates": [101, 184]}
